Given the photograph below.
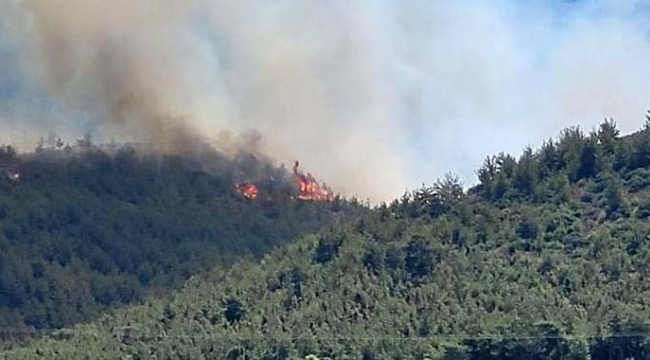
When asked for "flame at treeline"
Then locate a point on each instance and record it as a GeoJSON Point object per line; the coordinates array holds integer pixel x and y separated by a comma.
{"type": "Point", "coordinates": [250, 191]}
{"type": "Point", "coordinates": [308, 188]}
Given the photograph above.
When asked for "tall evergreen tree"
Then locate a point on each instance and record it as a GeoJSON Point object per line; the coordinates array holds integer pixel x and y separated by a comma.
{"type": "Point", "coordinates": [525, 177]}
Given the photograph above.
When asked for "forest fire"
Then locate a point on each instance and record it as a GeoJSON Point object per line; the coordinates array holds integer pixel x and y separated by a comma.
{"type": "Point", "coordinates": [308, 188]}
{"type": "Point", "coordinates": [249, 191]}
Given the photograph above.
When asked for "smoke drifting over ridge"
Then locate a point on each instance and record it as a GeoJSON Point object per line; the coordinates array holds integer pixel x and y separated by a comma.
{"type": "Point", "coordinates": [373, 96]}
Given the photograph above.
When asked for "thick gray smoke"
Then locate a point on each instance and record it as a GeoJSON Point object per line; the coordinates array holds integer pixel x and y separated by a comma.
{"type": "Point", "coordinates": [371, 96]}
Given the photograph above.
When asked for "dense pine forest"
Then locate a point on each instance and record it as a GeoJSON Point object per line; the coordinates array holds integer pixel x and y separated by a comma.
{"type": "Point", "coordinates": [547, 257]}
{"type": "Point", "coordinates": [84, 229]}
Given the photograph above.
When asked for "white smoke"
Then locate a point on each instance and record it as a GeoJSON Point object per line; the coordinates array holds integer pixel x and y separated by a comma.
{"type": "Point", "coordinates": [371, 96]}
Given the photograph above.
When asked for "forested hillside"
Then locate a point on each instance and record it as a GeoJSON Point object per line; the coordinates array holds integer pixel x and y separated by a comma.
{"type": "Point", "coordinates": [547, 258]}
{"type": "Point", "coordinates": [83, 230]}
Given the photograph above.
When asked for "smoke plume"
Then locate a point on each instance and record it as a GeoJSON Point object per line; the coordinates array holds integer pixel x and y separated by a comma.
{"type": "Point", "coordinates": [372, 96]}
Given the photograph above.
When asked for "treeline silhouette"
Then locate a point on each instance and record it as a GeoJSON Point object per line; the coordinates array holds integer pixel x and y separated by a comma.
{"type": "Point", "coordinates": [84, 229]}
{"type": "Point", "coordinates": [546, 258]}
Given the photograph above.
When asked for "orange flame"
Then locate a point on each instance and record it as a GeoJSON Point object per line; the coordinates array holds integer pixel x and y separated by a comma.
{"type": "Point", "coordinates": [308, 188]}
{"type": "Point", "coordinates": [249, 191]}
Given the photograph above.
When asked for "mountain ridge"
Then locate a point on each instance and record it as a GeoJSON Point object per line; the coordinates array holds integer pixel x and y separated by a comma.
{"type": "Point", "coordinates": [546, 258]}
{"type": "Point", "coordinates": [84, 231]}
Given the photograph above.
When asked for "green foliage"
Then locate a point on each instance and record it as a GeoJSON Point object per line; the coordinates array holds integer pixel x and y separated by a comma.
{"type": "Point", "coordinates": [327, 249]}
{"type": "Point", "coordinates": [527, 228]}
{"type": "Point", "coordinates": [525, 176]}
{"type": "Point", "coordinates": [419, 259]}
{"type": "Point", "coordinates": [84, 232]}
{"type": "Point", "coordinates": [233, 312]}
{"type": "Point", "coordinates": [546, 258]}
{"type": "Point", "coordinates": [607, 135]}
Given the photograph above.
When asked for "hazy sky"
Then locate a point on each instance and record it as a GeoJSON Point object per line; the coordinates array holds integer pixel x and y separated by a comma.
{"type": "Point", "coordinates": [373, 96]}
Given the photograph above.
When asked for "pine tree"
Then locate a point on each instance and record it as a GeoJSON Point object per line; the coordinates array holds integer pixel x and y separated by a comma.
{"type": "Point", "coordinates": [525, 177]}
{"type": "Point", "coordinates": [607, 136]}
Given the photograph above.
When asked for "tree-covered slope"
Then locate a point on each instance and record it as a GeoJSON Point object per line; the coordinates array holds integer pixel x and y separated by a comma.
{"type": "Point", "coordinates": [84, 230]}
{"type": "Point", "coordinates": [547, 258]}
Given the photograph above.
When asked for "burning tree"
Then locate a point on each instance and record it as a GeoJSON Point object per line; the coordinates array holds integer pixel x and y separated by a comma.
{"type": "Point", "coordinates": [249, 191]}
{"type": "Point", "coordinates": [308, 187]}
